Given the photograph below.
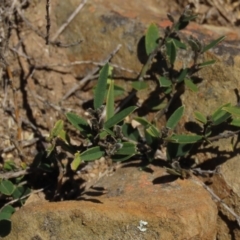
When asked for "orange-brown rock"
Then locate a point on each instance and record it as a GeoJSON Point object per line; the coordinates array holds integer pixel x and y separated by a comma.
{"type": "Point", "coordinates": [174, 209]}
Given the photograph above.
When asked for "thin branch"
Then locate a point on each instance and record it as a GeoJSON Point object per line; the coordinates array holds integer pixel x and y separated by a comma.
{"type": "Point", "coordinates": [73, 15]}
{"type": "Point", "coordinates": [141, 75]}
{"type": "Point", "coordinates": [40, 34]}
{"type": "Point", "coordinates": [24, 144]}
{"type": "Point", "coordinates": [226, 134]}
{"type": "Point", "coordinates": [48, 21]}
{"type": "Point", "coordinates": [25, 196]}
{"type": "Point", "coordinates": [9, 175]}
{"type": "Point", "coordinates": [62, 45]}
{"type": "Point", "coordinates": [203, 172]}
{"type": "Point", "coordinates": [219, 200]}
{"type": "Point", "coordinates": [54, 106]}
{"type": "Point", "coordinates": [84, 62]}
{"type": "Point", "coordinates": [89, 75]}
{"type": "Point", "coordinates": [18, 147]}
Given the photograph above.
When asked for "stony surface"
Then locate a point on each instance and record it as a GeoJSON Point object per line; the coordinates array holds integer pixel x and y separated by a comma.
{"type": "Point", "coordinates": [179, 209]}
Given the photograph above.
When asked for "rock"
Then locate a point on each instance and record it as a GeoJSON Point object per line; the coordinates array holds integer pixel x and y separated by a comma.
{"type": "Point", "coordinates": [179, 209]}
{"type": "Point", "coordinates": [112, 24]}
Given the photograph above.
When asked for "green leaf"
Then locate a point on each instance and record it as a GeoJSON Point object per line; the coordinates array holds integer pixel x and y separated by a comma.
{"type": "Point", "coordinates": [195, 44]}
{"type": "Point", "coordinates": [6, 212]}
{"type": "Point", "coordinates": [121, 158]}
{"type": "Point", "coordinates": [142, 121]}
{"type": "Point", "coordinates": [184, 21]}
{"type": "Point", "coordinates": [118, 91]}
{"type": "Point", "coordinates": [151, 38]}
{"type": "Point", "coordinates": [119, 117]}
{"type": "Point", "coordinates": [168, 90]}
{"type": "Point", "coordinates": [21, 191]}
{"type": "Point", "coordinates": [130, 132]}
{"type": "Point", "coordinates": [45, 167]}
{"type": "Point", "coordinates": [153, 131]}
{"type": "Point", "coordinates": [175, 118]}
{"type": "Point", "coordinates": [220, 115]}
{"type": "Point", "coordinates": [149, 139]}
{"type": "Point", "coordinates": [127, 148]}
{"type": "Point", "coordinates": [76, 161]}
{"type": "Point", "coordinates": [182, 75]}
{"type": "Point", "coordinates": [164, 82]}
{"type": "Point", "coordinates": [50, 149]}
{"type": "Point", "coordinates": [92, 154]}
{"type": "Point", "coordinates": [184, 139]}
{"type": "Point", "coordinates": [9, 165]}
{"type": "Point", "coordinates": [171, 50]}
{"type": "Point", "coordinates": [101, 87]}
{"type": "Point", "coordinates": [200, 117]}
{"type": "Point", "coordinates": [213, 44]}
{"type": "Point", "coordinates": [205, 64]}
{"type": "Point", "coordinates": [110, 101]}
{"type": "Point", "coordinates": [179, 44]}
{"type": "Point", "coordinates": [208, 131]}
{"type": "Point", "coordinates": [189, 83]}
{"type": "Point", "coordinates": [79, 123]}
{"type": "Point", "coordinates": [235, 122]}
{"type": "Point", "coordinates": [159, 106]}
{"type": "Point", "coordinates": [233, 110]}
{"type": "Point", "coordinates": [6, 187]}
{"type": "Point", "coordinates": [188, 18]}
{"type": "Point", "coordinates": [170, 17]}
{"type": "Point", "coordinates": [175, 150]}
{"type": "Point", "coordinates": [181, 25]}
{"type": "Point", "coordinates": [58, 127]}
{"type": "Point", "coordinates": [139, 85]}
{"type": "Point", "coordinates": [63, 135]}
{"type": "Point", "coordinates": [104, 132]}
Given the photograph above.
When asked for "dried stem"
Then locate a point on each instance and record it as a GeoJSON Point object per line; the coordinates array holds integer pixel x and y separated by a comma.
{"type": "Point", "coordinates": [9, 175]}
{"type": "Point", "coordinates": [81, 63]}
{"type": "Point", "coordinates": [21, 198]}
{"type": "Point", "coordinates": [24, 143]}
{"type": "Point", "coordinates": [89, 75]}
{"type": "Point", "coordinates": [73, 15]}
{"type": "Point", "coordinates": [226, 134]}
{"type": "Point", "coordinates": [48, 26]}
{"type": "Point", "coordinates": [219, 200]}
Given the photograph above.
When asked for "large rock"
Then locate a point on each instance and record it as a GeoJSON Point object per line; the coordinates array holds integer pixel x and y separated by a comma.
{"type": "Point", "coordinates": [179, 209]}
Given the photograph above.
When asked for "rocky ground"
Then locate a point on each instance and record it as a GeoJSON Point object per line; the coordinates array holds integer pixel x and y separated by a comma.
{"type": "Point", "coordinates": [40, 82]}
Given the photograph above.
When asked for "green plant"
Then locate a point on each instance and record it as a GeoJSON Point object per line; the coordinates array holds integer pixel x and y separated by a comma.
{"type": "Point", "coordinates": [105, 133]}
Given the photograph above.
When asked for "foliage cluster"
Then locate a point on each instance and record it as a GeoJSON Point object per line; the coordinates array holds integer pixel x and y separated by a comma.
{"type": "Point", "coordinates": [105, 132]}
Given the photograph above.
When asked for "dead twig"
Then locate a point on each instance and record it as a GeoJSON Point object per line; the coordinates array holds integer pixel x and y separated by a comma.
{"type": "Point", "coordinates": [62, 45]}
{"type": "Point", "coordinates": [18, 147]}
{"type": "Point", "coordinates": [40, 34]}
{"type": "Point", "coordinates": [54, 106]}
{"type": "Point", "coordinates": [203, 172]}
{"type": "Point", "coordinates": [226, 134]}
{"type": "Point", "coordinates": [21, 198]}
{"type": "Point", "coordinates": [141, 75]}
{"type": "Point", "coordinates": [9, 175]}
{"type": "Point", "coordinates": [73, 15]}
{"type": "Point", "coordinates": [84, 62]}
{"type": "Point", "coordinates": [48, 25]}
{"type": "Point", "coordinates": [219, 200]}
{"type": "Point", "coordinates": [24, 144]}
{"type": "Point", "coordinates": [89, 75]}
